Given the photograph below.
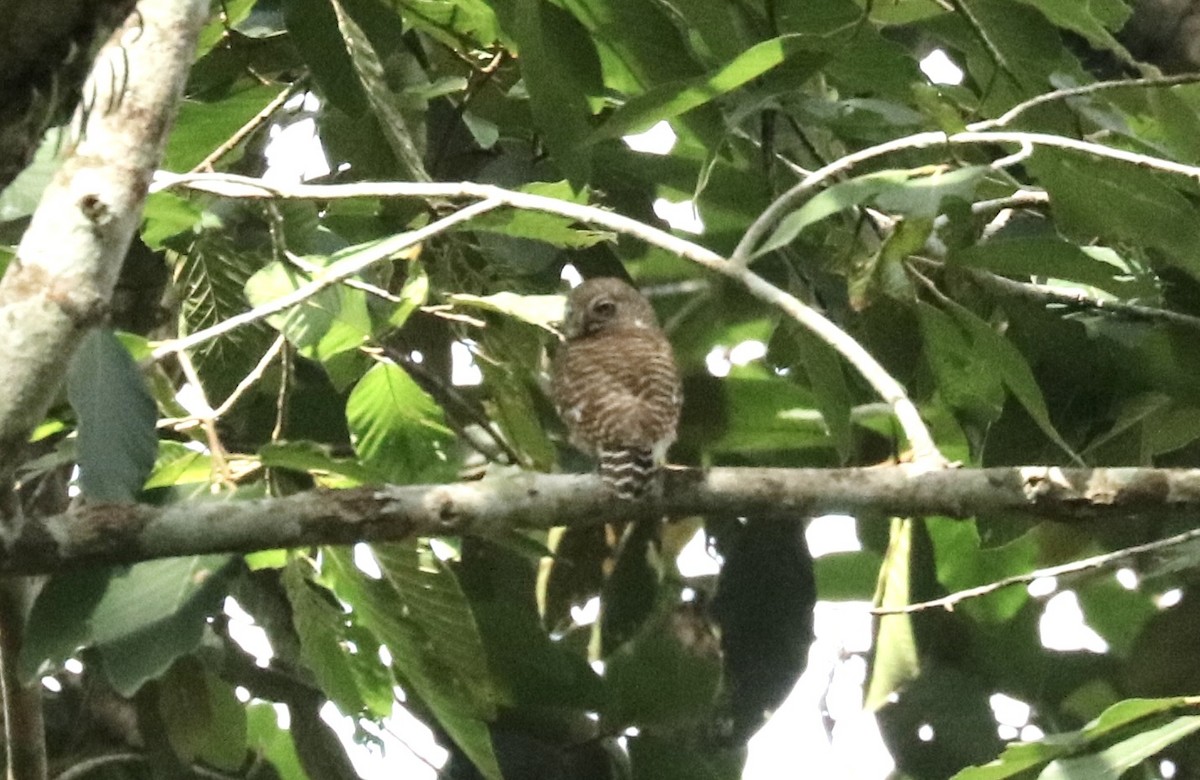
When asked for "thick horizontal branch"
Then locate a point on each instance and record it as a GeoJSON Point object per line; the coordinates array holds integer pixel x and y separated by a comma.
{"type": "Point", "coordinates": [114, 533]}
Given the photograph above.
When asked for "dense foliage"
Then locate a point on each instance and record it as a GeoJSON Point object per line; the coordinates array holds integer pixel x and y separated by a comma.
{"type": "Point", "coordinates": [1034, 293]}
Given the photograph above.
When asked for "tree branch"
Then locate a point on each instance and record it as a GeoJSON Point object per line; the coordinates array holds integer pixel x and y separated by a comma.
{"type": "Point", "coordinates": [891, 391]}
{"type": "Point", "coordinates": [122, 533]}
{"type": "Point", "coordinates": [790, 200]}
{"type": "Point", "coordinates": [62, 280]}
{"type": "Point", "coordinates": [1086, 89]}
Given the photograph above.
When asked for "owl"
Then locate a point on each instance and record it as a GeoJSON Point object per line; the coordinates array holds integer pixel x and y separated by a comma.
{"type": "Point", "coordinates": [615, 384]}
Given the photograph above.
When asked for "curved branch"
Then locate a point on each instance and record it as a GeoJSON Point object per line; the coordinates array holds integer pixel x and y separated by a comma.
{"type": "Point", "coordinates": [1087, 89]}
{"type": "Point", "coordinates": [891, 391]}
{"type": "Point", "coordinates": [123, 533]}
{"type": "Point", "coordinates": [744, 252]}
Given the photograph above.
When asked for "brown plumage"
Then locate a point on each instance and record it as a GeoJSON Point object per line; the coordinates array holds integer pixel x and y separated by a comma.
{"type": "Point", "coordinates": [615, 383]}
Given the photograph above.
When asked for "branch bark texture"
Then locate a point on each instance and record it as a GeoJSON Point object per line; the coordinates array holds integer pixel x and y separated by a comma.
{"type": "Point", "coordinates": [67, 264]}
{"type": "Point", "coordinates": [122, 533]}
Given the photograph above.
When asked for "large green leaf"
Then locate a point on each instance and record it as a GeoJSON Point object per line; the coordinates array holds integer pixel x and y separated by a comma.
{"type": "Point", "coordinates": [324, 629]}
{"type": "Point", "coordinates": [313, 28]}
{"type": "Point", "coordinates": [397, 429]}
{"type": "Point", "coordinates": [325, 325]}
{"type": "Point", "coordinates": [418, 611]}
{"type": "Point", "coordinates": [963, 562]}
{"type": "Point", "coordinates": [265, 736]}
{"type": "Point", "coordinates": [117, 441]}
{"type": "Point", "coordinates": [1012, 367]}
{"type": "Point", "coordinates": [670, 100]}
{"type": "Point", "coordinates": [1095, 20]}
{"type": "Point", "coordinates": [1100, 198]}
{"type": "Point", "coordinates": [561, 71]}
{"type": "Point", "coordinates": [1054, 258]}
{"type": "Point", "coordinates": [404, 139]}
{"type": "Point", "coordinates": [140, 618]}
{"type": "Point", "coordinates": [201, 127]}
{"type": "Point", "coordinates": [914, 193]}
{"type": "Point", "coordinates": [203, 718]}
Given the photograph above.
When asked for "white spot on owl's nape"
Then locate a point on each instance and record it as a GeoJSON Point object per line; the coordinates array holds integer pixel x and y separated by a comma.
{"type": "Point", "coordinates": [570, 274]}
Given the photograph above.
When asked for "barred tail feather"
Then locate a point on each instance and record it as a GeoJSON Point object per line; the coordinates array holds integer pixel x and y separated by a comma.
{"type": "Point", "coordinates": [630, 473]}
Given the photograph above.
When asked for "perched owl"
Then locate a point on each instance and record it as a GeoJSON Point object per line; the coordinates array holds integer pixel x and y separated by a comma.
{"type": "Point", "coordinates": [615, 383]}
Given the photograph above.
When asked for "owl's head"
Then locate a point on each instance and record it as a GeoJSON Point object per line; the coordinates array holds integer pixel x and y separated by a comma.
{"type": "Point", "coordinates": [603, 304]}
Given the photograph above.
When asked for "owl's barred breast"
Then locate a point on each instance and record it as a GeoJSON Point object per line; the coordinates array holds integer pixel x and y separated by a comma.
{"type": "Point", "coordinates": [618, 389]}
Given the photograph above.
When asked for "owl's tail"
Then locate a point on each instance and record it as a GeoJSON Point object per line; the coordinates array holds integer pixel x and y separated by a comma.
{"type": "Point", "coordinates": [630, 473]}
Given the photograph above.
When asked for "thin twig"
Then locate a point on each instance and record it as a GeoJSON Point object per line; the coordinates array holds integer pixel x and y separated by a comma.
{"type": "Point", "coordinates": [313, 269]}
{"type": "Point", "coordinates": [245, 130]}
{"type": "Point", "coordinates": [248, 381]}
{"type": "Point", "coordinates": [450, 399]}
{"type": "Point", "coordinates": [891, 391]}
{"type": "Point", "coordinates": [1095, 562]}
{"type": "Point", "coordinates": [331, 275]}
{"type": "Point", "coordinates": [84, 768]}
{"type": "Point", "coordinates": [1078, 300]}
{"type": "Point", "coordinates": [1087, 89]}
{"type": "Point", "coordinates": [220, 463]}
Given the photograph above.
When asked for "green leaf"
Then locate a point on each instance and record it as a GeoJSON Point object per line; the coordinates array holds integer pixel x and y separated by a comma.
{"type": "Point", "coordinates": [916, 193]}
{"type": "Point", "coordinates": [560, 68]}
{"type": "Point", "coordinates": [1050, 257]}
{"type": "Point", "coordinates": [658, 679]}
{"type": "Point", "coordinates": [325, 325]}
{"type": "Point", "coordinates": [165, 215]}
{"type": "Point", "coordinates": [421, 615]}
{"type": "Point", "coordinates": [1116, 201]}
{"type": "Point", "coordinates": [963, 562]}
{"type": "Point", "coordinates": [967, 380]}
{"type": "Point", "coordinates": [896, 661]}
{"type": "Point", "coordinates": [397, 429]}
{"type": "Point", "coordinates": [322, 629]}
{"type": "Point", "coordinates": [656, 756]}
{"type": "Point", "coordinates": [1111, 763]}
{"type": "Point", "coordinates": [265, 736]}
{"type": "Point", "coordinates": [203, 718]}
{"type": "Point", "coordinates": [140, 618]}
{"type": "Point", "coordinates": [318, 460]}
{"type": "Point", "coordinates": [413, 295]}
{"type": "Point", "coordinates": [1093, 19]}
{"type": "Point", "coordinates": [368, 66]}
{"type": "Point", "coordinates": [21, 197]}
{"type": "Point", "coordinates": [1020, 758]}
{"type": "Point", "coordinates": [670, 100]}
{"type": "Point", "coordinates": [449, 20]}
{"type": "Point", "coordinates": [117, 441]}
{"type": "Point", "coordinates": [847, 576]}
{"type": "Point", "coordinates": [201, 127]}
{"type": "Point", "coordinates": [1010, 364]}
{"type": "Point", "coordinates": [179, 465]}
{"type": "Point", "coordinates": [313, 29]}
{"type": "Point", "coordinates": [540, 226]}
{"type": "Point", "coordinates": [545, 311]}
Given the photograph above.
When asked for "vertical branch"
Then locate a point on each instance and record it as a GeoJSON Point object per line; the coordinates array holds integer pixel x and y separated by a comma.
{"type": "Point", "coordinates": [61, 282]}
{"type": "Point", "coordinates": [24, 730]}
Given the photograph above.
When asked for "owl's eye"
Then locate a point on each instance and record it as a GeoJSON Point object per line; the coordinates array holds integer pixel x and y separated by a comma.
{"type": "Point", "coordinates": [604, 308]}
